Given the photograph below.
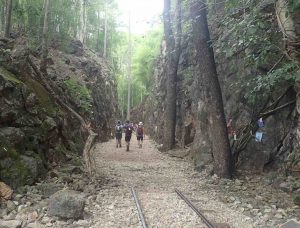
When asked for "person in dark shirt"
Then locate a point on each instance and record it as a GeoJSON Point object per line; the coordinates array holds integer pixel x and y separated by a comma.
{"type": "Point", "coordinates": [118, 130]}
{"type": "Point", "coordinates": [140, 134]}
{"type": "Point", "coordinates": [128, 132]}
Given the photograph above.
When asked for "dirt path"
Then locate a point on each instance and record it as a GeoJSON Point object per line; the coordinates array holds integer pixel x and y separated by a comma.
{"type": "Point", "coordinates": [242, 203]}
{"type": "Point", "coordinates": [154, 176]}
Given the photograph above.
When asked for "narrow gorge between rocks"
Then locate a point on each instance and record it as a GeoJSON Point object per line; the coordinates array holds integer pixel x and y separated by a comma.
{"type": "Point", "coordinates": [162, 113]}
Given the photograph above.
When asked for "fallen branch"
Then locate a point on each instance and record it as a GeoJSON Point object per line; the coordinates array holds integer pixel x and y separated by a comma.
{"type": "Point", "coordinates": [87, 155]}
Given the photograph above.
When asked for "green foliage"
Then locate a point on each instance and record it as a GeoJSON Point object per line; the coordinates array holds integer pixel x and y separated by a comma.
{"type": "Point", "coordinates": [289, 73]}
{"type": "Point", "coordinates": [64, 22]}
{"type": "Point", "coordinates": [42, 96]}
{"type": "Point", "coordinates": [253, 34]}
{"type": "Point", "coordinates": [146, 51]}
{"type": "Point", "coordinates": [80, 94]}
{"type": "Point", "coordinates": [28, 23]}
{"type": "Point", "coordinates": [11, 166]}
{"type": "Point", "coordinates": [293, 5]}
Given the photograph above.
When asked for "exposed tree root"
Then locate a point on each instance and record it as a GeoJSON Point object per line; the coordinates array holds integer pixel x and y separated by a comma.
{"type": "Point", "coordinates": [245, 134]}
{"type": "Point", "coordinates": [85, 127]}
{"type": "Point", "coordinates": [266, 114]}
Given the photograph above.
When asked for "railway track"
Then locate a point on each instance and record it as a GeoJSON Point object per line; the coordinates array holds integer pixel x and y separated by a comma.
{"type": "Point", "coordinates": [139, 208]}
{"type": "Point", "coordinates": [141, 215]}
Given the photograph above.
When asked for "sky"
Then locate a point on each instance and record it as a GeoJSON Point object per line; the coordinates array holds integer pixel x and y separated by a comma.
{"type": "Point", "coordinates": [143, 13]}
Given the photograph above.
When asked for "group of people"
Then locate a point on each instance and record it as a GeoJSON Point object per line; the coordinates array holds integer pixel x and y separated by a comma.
{"type": "Point", "coordinates": [128, 128]}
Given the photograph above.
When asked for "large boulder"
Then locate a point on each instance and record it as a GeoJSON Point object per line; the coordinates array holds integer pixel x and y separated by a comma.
{"type": "Point", "coordinates": [13, 172]}
{"type": "Point", "coordinates": [66, 204]}
{"type": "Point", "coordinates": [18, 170]}
{"type": "Point", "coordinates": [48, 189]}
{"type": "Point", "coordinates": [297, 200]}
{"type": "Point", "coordinates": [75, 47]}
{"type": "Point", "coordinates": [34, 165]}
{"type": "Point", "coordinates": [11, 224]}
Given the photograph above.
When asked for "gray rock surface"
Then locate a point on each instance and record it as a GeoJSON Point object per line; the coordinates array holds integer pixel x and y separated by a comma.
{"type": "Point", "coordinates": [30, 119]}
{"type": "Point", "coordinates": [241, 103]}
{"type": "Point", "coordinates": [34, 165]}
{"type": "Point", "coordinates": [66, 204]}
{"type": "Point", "coordinates": [10, 224]}
{"type": "Point", "coordinates": [12, 134]}
{"type": "Point", "coordinates": [10, 205]}
{"type": "Point", "coordinates": [48, 189]}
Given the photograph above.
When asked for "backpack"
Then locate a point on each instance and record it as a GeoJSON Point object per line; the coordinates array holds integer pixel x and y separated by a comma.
{"type": "Point", "coordinates": [140, 131]}
{"type": "Point", "coordinates": [118, 128]}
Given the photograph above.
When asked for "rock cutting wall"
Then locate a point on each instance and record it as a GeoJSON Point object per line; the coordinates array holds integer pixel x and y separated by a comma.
{"type": "Point", "coordinates": [36, 132]}
{"type": "Point", "coordinates": [279, 147]}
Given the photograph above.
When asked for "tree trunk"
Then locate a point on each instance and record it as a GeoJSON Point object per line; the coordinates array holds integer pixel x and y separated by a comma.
{"type": "Point", "coordinates": [2, 15]}
{"type": "Point", "coordinates": [81, 21]}
{"type": "Point", "coordinates": [206, 69]}
{"type": "Point", "coordinates": [84, 22]}
{"type": "Point", "coordinates": [289, 23]}
{"type": "Point", "coordinates": [8, 18]}
{"type": "Point", "coordinates": [173, 53]}
{"type": "Point", "coordinates": [43, 66]}
{"type": "Point", "coordinates": [98, 31]}
{"type": "Point", "coordinates": [288, 18]}
{"type": "Point", "coordinates": [105, 33]}
{"type": "Point", "coordinates": [129, 67]}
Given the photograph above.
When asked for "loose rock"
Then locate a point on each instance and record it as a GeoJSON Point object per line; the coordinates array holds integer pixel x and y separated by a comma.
{"type": "Point", "coordinates": [66, 204]}
{"type": "Point", "coordinates": [5, 191]}
{"type": "Point", "coordinates": [10, 224]}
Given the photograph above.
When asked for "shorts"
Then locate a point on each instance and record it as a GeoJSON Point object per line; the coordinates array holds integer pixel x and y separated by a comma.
{"type": "Point", "coordinates": [118, 135]}
{"type": "Point", "coordinates": [140, 138]}
{"type": "Point", "coordinates": [127, 138]}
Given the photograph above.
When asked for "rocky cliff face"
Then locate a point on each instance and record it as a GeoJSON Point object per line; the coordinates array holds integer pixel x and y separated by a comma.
{"type": "Point", "coordinates": [36, 132]}
{"type": "Point", "coordinates": [279, 145]}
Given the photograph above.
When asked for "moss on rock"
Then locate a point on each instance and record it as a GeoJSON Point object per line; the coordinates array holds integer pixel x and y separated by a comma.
{"type": "Point", "coordinates": [297, 200]}
{"type": "Point", "coordinates": [42, 96]}
{"type": "Point", "coordinates": [81, 94]}
{"type": "Point", "coordinates": [14, 172]}
{"type": "Point", "coordinates": [9, 76]}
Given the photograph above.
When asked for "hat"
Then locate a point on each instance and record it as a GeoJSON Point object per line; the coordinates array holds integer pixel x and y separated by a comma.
{"type": "Point", "coordinates": [140, 123]}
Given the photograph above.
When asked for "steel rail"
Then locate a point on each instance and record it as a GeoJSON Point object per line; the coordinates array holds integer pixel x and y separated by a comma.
{"type": "Point", "coordinates": [203, 218]}
{"type": "Point", "coordinates": [139, 208]}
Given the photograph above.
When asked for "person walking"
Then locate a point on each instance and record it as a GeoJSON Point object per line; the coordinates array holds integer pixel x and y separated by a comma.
{"type": "Point", "coordinates": [128, 132]}
{"type": "Point", "coordinates": [118, 134]}
{"type": "Point", "coordinates": [140, 134]}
